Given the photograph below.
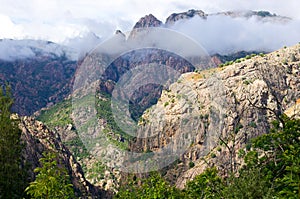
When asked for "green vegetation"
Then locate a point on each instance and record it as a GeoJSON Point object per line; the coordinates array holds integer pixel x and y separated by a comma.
{"type": "Point", "coordinates": [271, 170]}
{"type": "Point", "coordinates": [213, 155]}
{"type": "Point", "coordinates": [152, 187]}
{"type": "Point", "coordinates": [239, 60]}
{"type": "Point", "coordinates": [206, 185]}
{"type": "Point", "coordinates": [12, 177]}
{"type": "Point", "coordinates": [52, 180]}
{"type": "Point", "coordinates": [253, 124]}
{"type": "Point", "coordinates": [191, 164]}
{"type": "Point", "coordinates": [57, 115]}
{"type": "Point", "coordinates": [104, 111]}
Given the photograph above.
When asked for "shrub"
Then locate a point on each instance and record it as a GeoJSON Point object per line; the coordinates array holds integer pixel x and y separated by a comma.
{"type": "Point", "coordinates": [191, 164]}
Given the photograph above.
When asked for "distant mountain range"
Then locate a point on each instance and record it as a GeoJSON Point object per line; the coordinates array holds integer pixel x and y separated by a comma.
{"type": "Point", "coordinates": [232, 102]}
{"type": "Point", "coordinates": [41, 72]}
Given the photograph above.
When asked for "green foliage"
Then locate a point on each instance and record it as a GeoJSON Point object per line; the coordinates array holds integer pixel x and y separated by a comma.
{"type": "Point", "coordinates": [57, 115]}
{"type": "Point", "coordinates": [280, 160]}
{"type": "Point", "coordinates": [104, 111]}
{"type": "Point", "coordinates": [251, 183]}
{"type": "Point", "coordinates": [52, 180]}
{"type": "Point", "coordinates": [12, 177]}
{"type": "Point", "coordinates": [228, 63]}
{"type": "Point", "coordinates": [213, 155]}
{"type": "Point", "coordinates": [153, 187]}
{"type": "Point", "coordinates": [191, 164]}
{"type": "Point", "coordinates": [241, 153]}
{"type": "Point", "coordinates": [272, 170]}
{"type": "Point", "coordinates": [206, 185]}
{"type": "Point", "coordinates": [60, 115]}
{"type": "Point", "coordinates": [253, 124]}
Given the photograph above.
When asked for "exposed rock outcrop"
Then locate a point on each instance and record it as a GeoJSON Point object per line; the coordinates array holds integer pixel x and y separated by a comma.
{"type": "Point", "coordinates": [185, 15]}
{"type": "Point", "coordinates": [147, 22]}
{"type": "Point", "coordinates": [224, 108]}
{"type": "Point", "coordinates": [38, 82]}
{"type": "Point", "coordinates": [38, 138]}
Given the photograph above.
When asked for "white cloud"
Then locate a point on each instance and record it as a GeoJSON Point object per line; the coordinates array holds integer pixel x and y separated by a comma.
{"type": "Point", "coordinates": [9, 29]}
{"type": "Point", "coordinates": [221, 34]}
{"type": "Point", "coordinates": [45, 19]}
{"type": "Point", "coordinates": [89, 21]}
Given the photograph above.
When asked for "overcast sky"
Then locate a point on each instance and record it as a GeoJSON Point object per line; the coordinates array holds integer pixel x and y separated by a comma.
{"type": "Point", "coordinates": [58, 20]}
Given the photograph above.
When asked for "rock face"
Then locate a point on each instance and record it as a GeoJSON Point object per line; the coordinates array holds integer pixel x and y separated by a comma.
{"type": "Point", "coordinates": [262, 15]}
{"type": "Point", "coordinates": [38, 138]}
{"type": "Point", "coordinates": [147, 95]}
{"type": "Point", "coordinates": [37, 82]}
{"type": "Point", "coordinates": [45, 77]}
{"type": "Point", "coordinates": [224, 108]}
{"type": "Point", "coordinates": [147, 22]}
{"type": "Point", "coordinates": [185, 15]}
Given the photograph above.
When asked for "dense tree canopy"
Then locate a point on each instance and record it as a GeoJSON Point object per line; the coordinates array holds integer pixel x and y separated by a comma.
{"type": "Point", "coordinates": [12, 177]}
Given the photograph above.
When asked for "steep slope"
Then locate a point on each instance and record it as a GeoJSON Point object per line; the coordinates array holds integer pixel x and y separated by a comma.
{"type": "Point", "coordinates": [37, 139]}
{"type": "Point", "coordinates": [261, 15]}
{"type": "Point", "coordinates": [41, 72]}
{"type": "Point", "coordinates": [37, 82]}
{"type": "Point", "coordinates": [224, 108]}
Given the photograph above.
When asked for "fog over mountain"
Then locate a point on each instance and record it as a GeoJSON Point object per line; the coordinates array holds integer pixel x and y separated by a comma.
{"type": "Point", "coordinates": [225, 34]}
{"type": "Point", "coordinates": [222, 33]}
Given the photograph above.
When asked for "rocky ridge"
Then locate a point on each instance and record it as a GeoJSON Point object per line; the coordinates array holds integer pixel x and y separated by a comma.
{"type": "Point", "coordinates": [228, 106]}
{"type": "Point", "coordinates": [38, 82]}
{"type": "Point", "coordinates": [41, 75]}
{"type": "Point", "coordinates": [147, 22]}
{"type": "Point", "coordinates": [185, 15]}
{"type": "Point", "coordinates": [38, 139]}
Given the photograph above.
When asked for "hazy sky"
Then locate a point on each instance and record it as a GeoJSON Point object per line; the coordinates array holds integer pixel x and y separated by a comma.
{"type": "Point", "coordinates": [57, 20]}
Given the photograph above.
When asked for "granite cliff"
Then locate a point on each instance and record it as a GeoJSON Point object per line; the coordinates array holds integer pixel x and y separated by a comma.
{"type": "Point", "coordinates": [226, 107]}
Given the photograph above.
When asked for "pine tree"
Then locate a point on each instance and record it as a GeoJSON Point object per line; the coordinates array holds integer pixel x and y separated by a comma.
{"type": "Point", "coordinates": [12, 181]}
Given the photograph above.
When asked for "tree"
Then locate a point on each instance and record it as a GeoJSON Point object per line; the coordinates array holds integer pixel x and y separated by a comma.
{"type": "Point", "coordinates": [153, 187]}
{"type": "Point", "coordinates": [12, 177]}
{"type": "Point", "coordinates": [280, 159]}
{"type": "Point", "coordinates": [52, 180]}
{"type": "Point", "coordinates": [206, 185]}
{"type": "Point", "coordinates": [251, 183]}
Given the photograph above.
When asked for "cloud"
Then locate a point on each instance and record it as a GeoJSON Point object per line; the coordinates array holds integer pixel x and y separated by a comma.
{"type": "Point", "coordinates": [22, 49]}
{"type": "Point", "coordinates": [80, 24]}
{"type": "Point", "coordinates": [223, 34]}
{"type": "Point", "coordinates": [58, 20]}
{"type": "Point", "coordinates": [9, 29]}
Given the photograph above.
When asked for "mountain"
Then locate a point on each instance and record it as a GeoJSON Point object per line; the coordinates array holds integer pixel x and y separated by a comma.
{"type": "Point", "coordinates": [38, 82]}
{"type": "Point", "coordinates": [229, 104]}
{"type": "Point", "coordinates": [38, 139]}
{"type": "Point", "coordinates": [215, 111]}
{"type": "Point", "coordinates": [184, 16]}
{"type": "Point", "coordinates": [11, 50]}
{"type": "Point", "coordinates": [147, 22]}
{"type": "Point", "coordinates": [220, 110]}
{"type": "Point", "coordinates": [41, 72]}
{"type": "Point", "coordinates": [261, 15]}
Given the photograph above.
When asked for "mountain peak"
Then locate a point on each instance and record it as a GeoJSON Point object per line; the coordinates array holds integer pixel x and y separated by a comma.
{"type": "Point", "coordinates": [148, 21]}
{"type": "Point", "coordinates": [185, 15]}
